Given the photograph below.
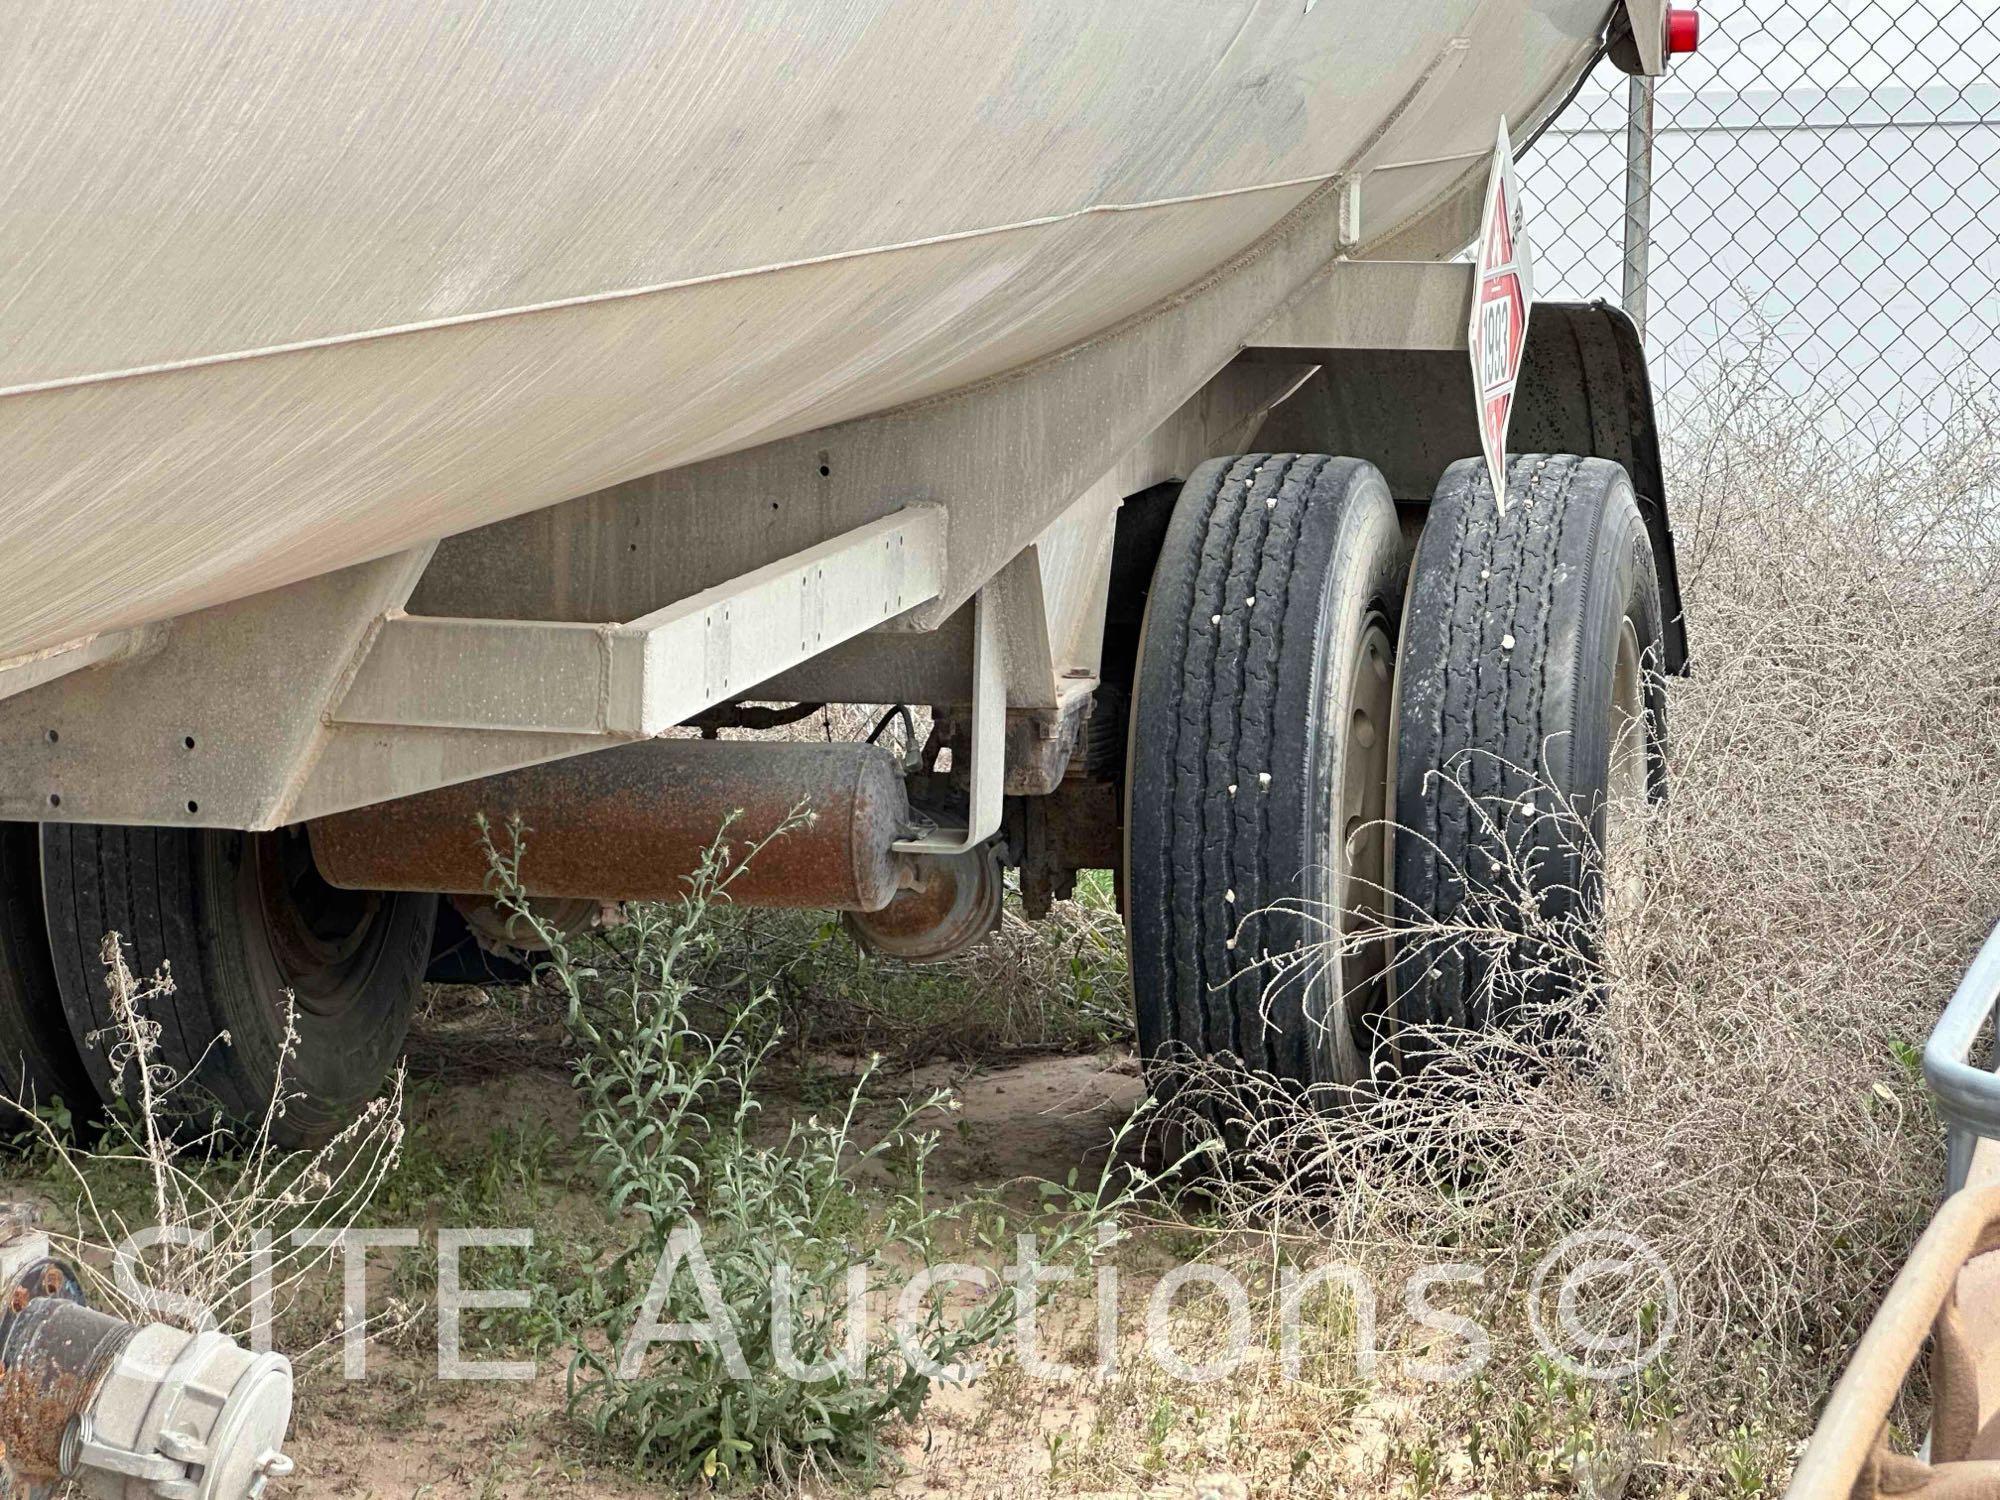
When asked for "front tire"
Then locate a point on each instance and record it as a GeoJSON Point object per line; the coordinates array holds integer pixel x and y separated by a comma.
{"type": "Point", "coordinates": [1258, 769]}
{"type": "Point", "coordinates": [241, 921]}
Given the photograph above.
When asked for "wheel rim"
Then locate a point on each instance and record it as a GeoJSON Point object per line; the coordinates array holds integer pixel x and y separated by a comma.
{"type": "Point", "coordinates": [324, 941]}
{"type": "Point", "coordinates": [1625, 781]}
{"type": "Point", "coordinates": [1360, 833]}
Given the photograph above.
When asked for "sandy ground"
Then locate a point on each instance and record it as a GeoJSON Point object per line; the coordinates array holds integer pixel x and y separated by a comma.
{"type": "Point", "coordinates": [403, 1433]}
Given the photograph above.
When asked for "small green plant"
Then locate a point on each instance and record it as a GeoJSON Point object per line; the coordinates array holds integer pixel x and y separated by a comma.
{"type": "Point", "coordinates": [1158, 1424]}
{"type": "Point", "coordinates": [1743, 1465]}
{"type": "Point", "coordinates": [750, 1240]}
{"type": "Point", "coordinates": [1424, 1470]}
{"type": "Point", "coordinates": [1055, 1443]}
{"type": "Point", "coordinates": [1909, 1058]}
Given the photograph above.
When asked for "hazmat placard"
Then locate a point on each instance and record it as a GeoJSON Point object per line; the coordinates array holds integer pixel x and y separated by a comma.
{"type": "Point", "coordinates": [1503, 293]}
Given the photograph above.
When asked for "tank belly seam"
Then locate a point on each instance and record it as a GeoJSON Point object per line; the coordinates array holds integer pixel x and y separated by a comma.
{"type": "Point", "coordinates": [588, 299]}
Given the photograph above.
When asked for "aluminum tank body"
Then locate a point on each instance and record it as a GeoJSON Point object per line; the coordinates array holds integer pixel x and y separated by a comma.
{"type": "Point", "coordinates": [290, 285]}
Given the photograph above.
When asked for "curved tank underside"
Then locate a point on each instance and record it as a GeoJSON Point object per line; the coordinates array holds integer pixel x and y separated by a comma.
{"type": "Point", "coordinates": [293, 286]}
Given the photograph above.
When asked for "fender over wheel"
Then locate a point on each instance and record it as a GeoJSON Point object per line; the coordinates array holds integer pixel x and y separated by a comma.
{"type": "Point", "coordinates": [1258, 769]}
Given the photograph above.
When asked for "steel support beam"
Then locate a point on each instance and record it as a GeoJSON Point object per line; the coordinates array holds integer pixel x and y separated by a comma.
{"type": "Point", "coordinates": [640, 678]}
{"type": "Point", "coordinates": [216, 720]}
{"type": "Point", "coordinates": [988, 772]}
{"type": "Point", "coordinates": [1370, 304]}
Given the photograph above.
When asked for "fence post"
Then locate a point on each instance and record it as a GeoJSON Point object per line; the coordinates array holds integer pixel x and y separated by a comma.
{"type": "Point", "coordinates": [1638, 195]}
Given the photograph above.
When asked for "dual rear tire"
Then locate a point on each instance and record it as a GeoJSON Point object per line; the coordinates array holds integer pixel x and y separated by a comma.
{"type": "Point", "coordinates": [1335, 742]}
{"type": "Point", "coordinates": [1258, 777]}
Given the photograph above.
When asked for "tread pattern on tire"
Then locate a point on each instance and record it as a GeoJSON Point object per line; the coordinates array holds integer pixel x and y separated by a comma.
{"type": "Point", "coordinates": [146, 885]}
{"type": "Point", "coordinates": [137, 883]}
{"type": "Point", "coordinates": [1496, 602]}
{"type": "Point", "coordinates": [1219, 842]}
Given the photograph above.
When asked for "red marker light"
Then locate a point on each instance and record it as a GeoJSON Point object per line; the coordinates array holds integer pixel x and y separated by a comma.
{"type": "Point", "coordinates": [1683, 29]}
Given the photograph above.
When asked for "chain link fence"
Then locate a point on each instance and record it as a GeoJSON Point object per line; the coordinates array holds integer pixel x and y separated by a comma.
{"type": "Point", "coordinates": [1825, 198]}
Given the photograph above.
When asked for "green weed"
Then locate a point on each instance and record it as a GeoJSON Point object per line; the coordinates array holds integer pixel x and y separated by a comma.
{"type": "Point", "coordinates": [726, 1226]}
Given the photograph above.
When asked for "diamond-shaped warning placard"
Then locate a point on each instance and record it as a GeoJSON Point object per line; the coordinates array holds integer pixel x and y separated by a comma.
{"type": "Point", "coordinates": [1504, 291]}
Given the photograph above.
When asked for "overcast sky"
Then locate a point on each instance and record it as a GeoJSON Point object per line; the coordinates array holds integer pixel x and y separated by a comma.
{"type": "Point", "coordinates": [1827, 43]}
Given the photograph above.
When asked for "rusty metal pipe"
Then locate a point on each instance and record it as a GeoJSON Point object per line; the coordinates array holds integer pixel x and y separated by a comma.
{"type": "Point", "coordinates": [56, 1356]}
{"type": "Point", "coordinates": [1845, 1457]}
{"type": "Point", "coordinates": [631, 824]}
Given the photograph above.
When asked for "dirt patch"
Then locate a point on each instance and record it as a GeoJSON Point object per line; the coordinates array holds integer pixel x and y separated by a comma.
{"type": "Point", "coordinates": [1039, 1118]}
{"type": "Point", "coordinates": [403, 1432]}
